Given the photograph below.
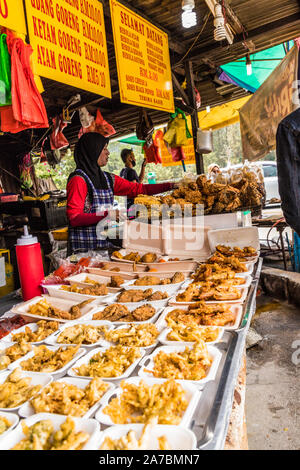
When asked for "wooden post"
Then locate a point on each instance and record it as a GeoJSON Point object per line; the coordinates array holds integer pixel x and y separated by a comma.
{"type": "Point", "coordinates": [190, 89]}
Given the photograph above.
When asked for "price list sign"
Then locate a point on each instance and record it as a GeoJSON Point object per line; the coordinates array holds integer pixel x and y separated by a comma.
{"type": "Point", "coordinates": [69, 43]}
{"type": "Point", "coordinates": [143, 60]}
{"type": "Point", "coordinates": [12, 15]}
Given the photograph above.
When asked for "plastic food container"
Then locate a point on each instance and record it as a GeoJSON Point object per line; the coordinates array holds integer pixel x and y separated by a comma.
{"type": "Point", "coordinates": [12, 418]}
{"type": "Point", "coordinates": [79, 280]}
{"type": "Point", "coordinates": [192, 394]}
{"type": "Point", "coordinates": [148, 363]}
{"type": "Point", "coordinates": [125, 267]}
{"type": "Point", "coordinates": [56, 291]}
{"type": "Point", "coordinates": [102, 272]}
{"type": "Point", "coordinates": [27, 409]}
{"type": "Point", "coordinates": [3, 347]}
{"type": "Point", "coordinates": [244, 292]}
{"type": "Point", "coordinates": [57, 374]}
{"type": "Point", "coordinates": [236, 309]}
{"type": "Point", "coordinates": [163, 337]}
{"type": "Point", "coordinates": [131, 307]}
{"type": "Point", "coordinates": [36, 379]}
{"type": "Point", "coordinates": [169, 288]}
{"type": "Point", "coordinates": [52, 339]}
{"type": "Point", "coordinates": [90, 426]}
{"type": "Point", "coordinates": [157, 304]}
{"type": "Point", "coordinates": [178, 437]}
{"type": "Point", "coordinates": [86, 358]}
{"type": "Point", "coordinates": [32, 326]}
{"type": "Point", "coordinates": [246, 285]}
{"type": "Point", "coordinates": [238, 236]}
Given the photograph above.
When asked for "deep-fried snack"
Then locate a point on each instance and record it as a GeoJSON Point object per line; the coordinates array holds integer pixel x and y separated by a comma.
{"type": "Point", "coordinates": [116, 281]}
{"type": "Point", "coordinates": [186, 333]}
{"type": "Point", "coordinates": [131, 442]}
{"type": "Point", "coordinates": [45, 329]}
{"type": "Point", "coordinates": [137, 295]}
{"type": "Point", "coordinates": [134, 335]}
{"type": "Point", "coordinates": [113, 312]}
{"type": "Point", "coordinates": [4, 424]}
{"type": "Point", "coordinates": [117, 254]}
{"type": "Point", "coordinates": [112, 362]}
{"type": "Point", "coordinates": [231, 261]}
{"type": "Point", "coordinates": [139, 403]}
{"type": "Point", "coordinates": [149, 258]}
{"type": "Point", "coordinates": [45, 309]}
{"type": "Point", "coordinates": [240, 253]}
{"type": "Point", "coordinates": [143, 313]}
{"type": "Point", "coordinates": [13, 353]}
{"type": "Point", "coordinates": [81, 334]}
{"type": "Point", "coordinates": [67, 399]}
{"type": "Point", "coordinates": [190, 364]}
{"type": "Point", "coordinates": [16, 389]}
{"type": "Point", "coordinates": [46, 360]}
{"type": "Point", "coordinates": [212, 272]}
{"type": "Point", "coordinates": [201, 313]}
{"type": "Point", "coordinates": [99, 289]}
{"type": "Point", "coordinates": [156, 281]}
{"type": "Point", "coordinates": [41, 436]}
{"type": "Point", "coordinates": [210, 290]}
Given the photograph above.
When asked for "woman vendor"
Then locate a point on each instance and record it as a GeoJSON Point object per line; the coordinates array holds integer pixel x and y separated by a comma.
{"type": "Point", "coordinates": [91, 191]}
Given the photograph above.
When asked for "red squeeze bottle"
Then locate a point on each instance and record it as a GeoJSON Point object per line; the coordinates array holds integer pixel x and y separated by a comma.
{"type": "Point", "coordinates": [30, 265]}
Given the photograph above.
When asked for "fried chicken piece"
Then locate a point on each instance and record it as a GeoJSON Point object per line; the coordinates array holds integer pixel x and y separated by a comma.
{"type": "Point", "coordinates": [194, 197]}
{"type": "Point", "coordinates": [134, 256]}
{"type": "Point", "coordinates": [158, 296]}
{"type": "Point", "coordinates": [116, 281]}
{"type": "Point", "coordinates": [147, 281]}
{"type": "Point", "coordinates": [134, 295]}
{"type": "Point", "coordinates": [143, 313]}
{"type": "Point", "coordinates": [201, 181]}
{"type": "Point", "coordinates": [115, 311]}
{"type": "Point", "coordinates": [149, 258]}
{"type": "Point", "coordinates": [117, 254]}
{"type": "Point", "coordinates": [169, 200]}
{"type": "Point", "coordinates": [178, 277]}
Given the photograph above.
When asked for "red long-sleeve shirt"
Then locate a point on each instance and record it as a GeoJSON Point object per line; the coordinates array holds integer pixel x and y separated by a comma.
{"type": "Point", "coordinates": [77, 193]}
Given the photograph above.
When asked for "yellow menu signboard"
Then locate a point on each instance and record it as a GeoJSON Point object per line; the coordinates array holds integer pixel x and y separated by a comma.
{"type": "Point", "coordinates": [143, 61]}
{"type": "Point", "coordinates": [188, 151]}
{"type": "Point", "coordinates": [69, 43]}
{"type": "Point", "coordinates": [12, 15]}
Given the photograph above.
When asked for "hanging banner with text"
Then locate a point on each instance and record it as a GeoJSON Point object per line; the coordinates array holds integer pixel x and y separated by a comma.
{"type": "Point", "coordinates": [274, 99]}
{"type": "Point", "coordinates": [69, 43]}
{"type": "Point", "coordinates": [143, 61]}
{"type": "Point", "coordinates": [12, 15]}
{"type": "Point", "coordinates": [188, 150]}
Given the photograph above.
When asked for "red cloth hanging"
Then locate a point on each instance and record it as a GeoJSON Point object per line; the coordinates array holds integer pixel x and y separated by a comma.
{"type": "Point", "coordinates": [28, 109]}
{"type": "Point", "coordinates": [153, 153]}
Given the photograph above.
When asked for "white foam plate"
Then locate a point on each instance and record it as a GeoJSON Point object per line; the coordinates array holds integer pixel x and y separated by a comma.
{"type": "Point", "coordinates": [12, 418]}
{"type": "Point", "coordinates": [169, 288]}
{"type": "Point", "coordinates": [52, 339]}
{"type": "Point", "coordinates": [80, 281]}
{"type": "Point", "coordinates": [157, 304]}
{"type": "Point", "coordinates": [86, 358]}
{"type": "Point", "coordinates": [192, 393]}
{"type": "Point", "coordinates": [244, 292]}
{"type": "Point", "coordinates": [3, 347]}
{"type": "Point", "coordinates": [163, 337]}
{"type": "Point", "coordinates": [36, 379]}
{"type": "Point", "coordinates": [56, 291]}
{"type": "Point", "coordinates": [236, 309]}
{"type": "Point", "coordinates": [32, 326]}
{"type": "Point", "coordinates": [148, 363]}
{"type": "Point", "coordinates": [27, 409]}
{"type": "Point", "coordinates": [57, 374]}
{"type": "Point", "coordinates": [90, 426]}
{"type": "Point", "coordinates": [246, 285]}
{"type": "Point", "coordinates": [178, 437]}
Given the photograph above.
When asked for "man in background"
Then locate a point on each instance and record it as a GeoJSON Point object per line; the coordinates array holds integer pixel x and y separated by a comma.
{"type": "Point", "coordinates": [128, 171]}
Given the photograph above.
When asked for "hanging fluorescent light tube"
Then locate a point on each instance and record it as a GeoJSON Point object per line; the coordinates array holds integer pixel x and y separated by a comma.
{"type": "Point", "coordinates": [248, 65]}
{"type": "Point", "coordinates": [188, 16]}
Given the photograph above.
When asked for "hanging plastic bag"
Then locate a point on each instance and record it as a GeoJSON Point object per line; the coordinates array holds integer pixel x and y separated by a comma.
{"type": "Point", "coordinates": [58, 140]}
{"type": "Point", "coordinates": [145, 128]}
{"type": "Point", "coordinates": [177, 130]}
{"type": "Point", "coordinates": [99, 125]}
{"type": "Point", "coordinates": [153, 153]}
{"type": "Point", "coordinates": [5, 72]}
{"type": "Point", "coordinates": [177, 154]}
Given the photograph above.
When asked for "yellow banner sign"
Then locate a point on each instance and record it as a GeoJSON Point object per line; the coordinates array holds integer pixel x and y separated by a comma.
{"type": "Point", "coordinates": [69, 42]}
{"type": "Point", "coordinates": [12, 15]}
{"type": "Point", "coordinates": [143, 61]}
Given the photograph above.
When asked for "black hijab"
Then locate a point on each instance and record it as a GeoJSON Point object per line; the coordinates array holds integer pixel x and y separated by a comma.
{"type": "Point", "coordinates": [86, 154]}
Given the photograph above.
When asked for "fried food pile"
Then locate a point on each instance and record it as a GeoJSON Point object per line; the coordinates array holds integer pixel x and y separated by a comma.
{"type": "Point", "coordinates": [193, 334]}
{"type": "Point", "coordinates": [41, 436]}
{"type": "Point", "coordinates": [112, 362]}
{"type": "Point", "coordinates": [44, 309]}
{"type": "Point", "coordinates": [156, 281]}
{"type": "Point", "coordinates": [16, 389]}
{"type": "Point", "coordinates": [200, 313]}
{"type": "Point", "coordinates": [45, 329]}
{"type": "Point", "coordinates": [140, 403]}
{"type": "Point", "coordinates": [215, 272]}
{"type": "Point", "coordinates": [240, 253]}
{"type": "Point", "coordinates": [99, 289]}
{"type": "Point", "coordinates": [232, 262]}
{"type": "Point", "coordinates": [138, 295]}
{"type": "Point", "coordinates": [190, 364]}
{"type": "Point", "coordinates": [106, 267]}
{"type": "Point", "coordinates": [134, 335]}
{"type": "Point", "coordinates": [131, 442]}
{"type": "Point", "coordinates": [119, 312]}
{"type": "Point", "coordinates": [66, 399]}
{"type": "Point", "coordinates": [4, 424]}
{"type": "Point", "coordinates": [47, 361]}
{"type": "Point", "coordinates": [210, 290]}
{"type": "Point", "coordinates": [136, 257]}
{"type": "Point", "coordinates": [115, 281]}
{"type": "Point", "coordinates": [13, 353]}
{"type": "Point", "coordinates": [81, 334]}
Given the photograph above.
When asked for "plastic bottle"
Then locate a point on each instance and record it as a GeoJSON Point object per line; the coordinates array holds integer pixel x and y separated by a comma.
{"type": "Point", "coordinates": [30, 265]}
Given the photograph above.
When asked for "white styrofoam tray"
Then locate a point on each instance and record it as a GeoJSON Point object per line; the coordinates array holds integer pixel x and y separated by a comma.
{"type": "Point", "coordinates": [236, 236]}
{"type": "Point", "coordinates": [163, 337]}
{"type": "Point", "coordinates": [244, 292]}
{"type": "Point", "coordinates": [61, 303]}
{"type": "Point", "coordinates": [57, 374]}
{"type": "Point", "coordinates": [36, 379]}
{"type": "Point", "coordinates": [90, 426]}
{"type": "Point", "coordinates": [157, 304]}
{"type": "Point", "coordinates": [236, 309]}
{"type": "Point", "coordinates": [86, 358]}
{"type": "Point", "coordinates": [101, 272]}
{"type": "Point", "coordinates": [192, 394]}
{"type": "Point", "coordinates": [169, 288]}
{"type": "Point", "coordinates": [148, 363]}
{"type": "Point", "coordinates": [32, 326]}
{"type": "Point", "coordinates": [131, 307]}
{"type": "Point", "coordinates": [3, 347]}
{"type": "Point", "coordinates": [178, 437]}
{"type": "Point", "coordinates": [124, 267]}
{"type": "Point", "coordinates": [56, 291]}
{"type": "Point", "coordinates": [12, 418]}
{"type": "Point", "coordinates": [52, 339]}
{"type": "Point", "coordinates": [27, 409]}
{"type": "Point", "coordinates": [246, 285]}
{"type": "Point", "coordinates": [79, 280]}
